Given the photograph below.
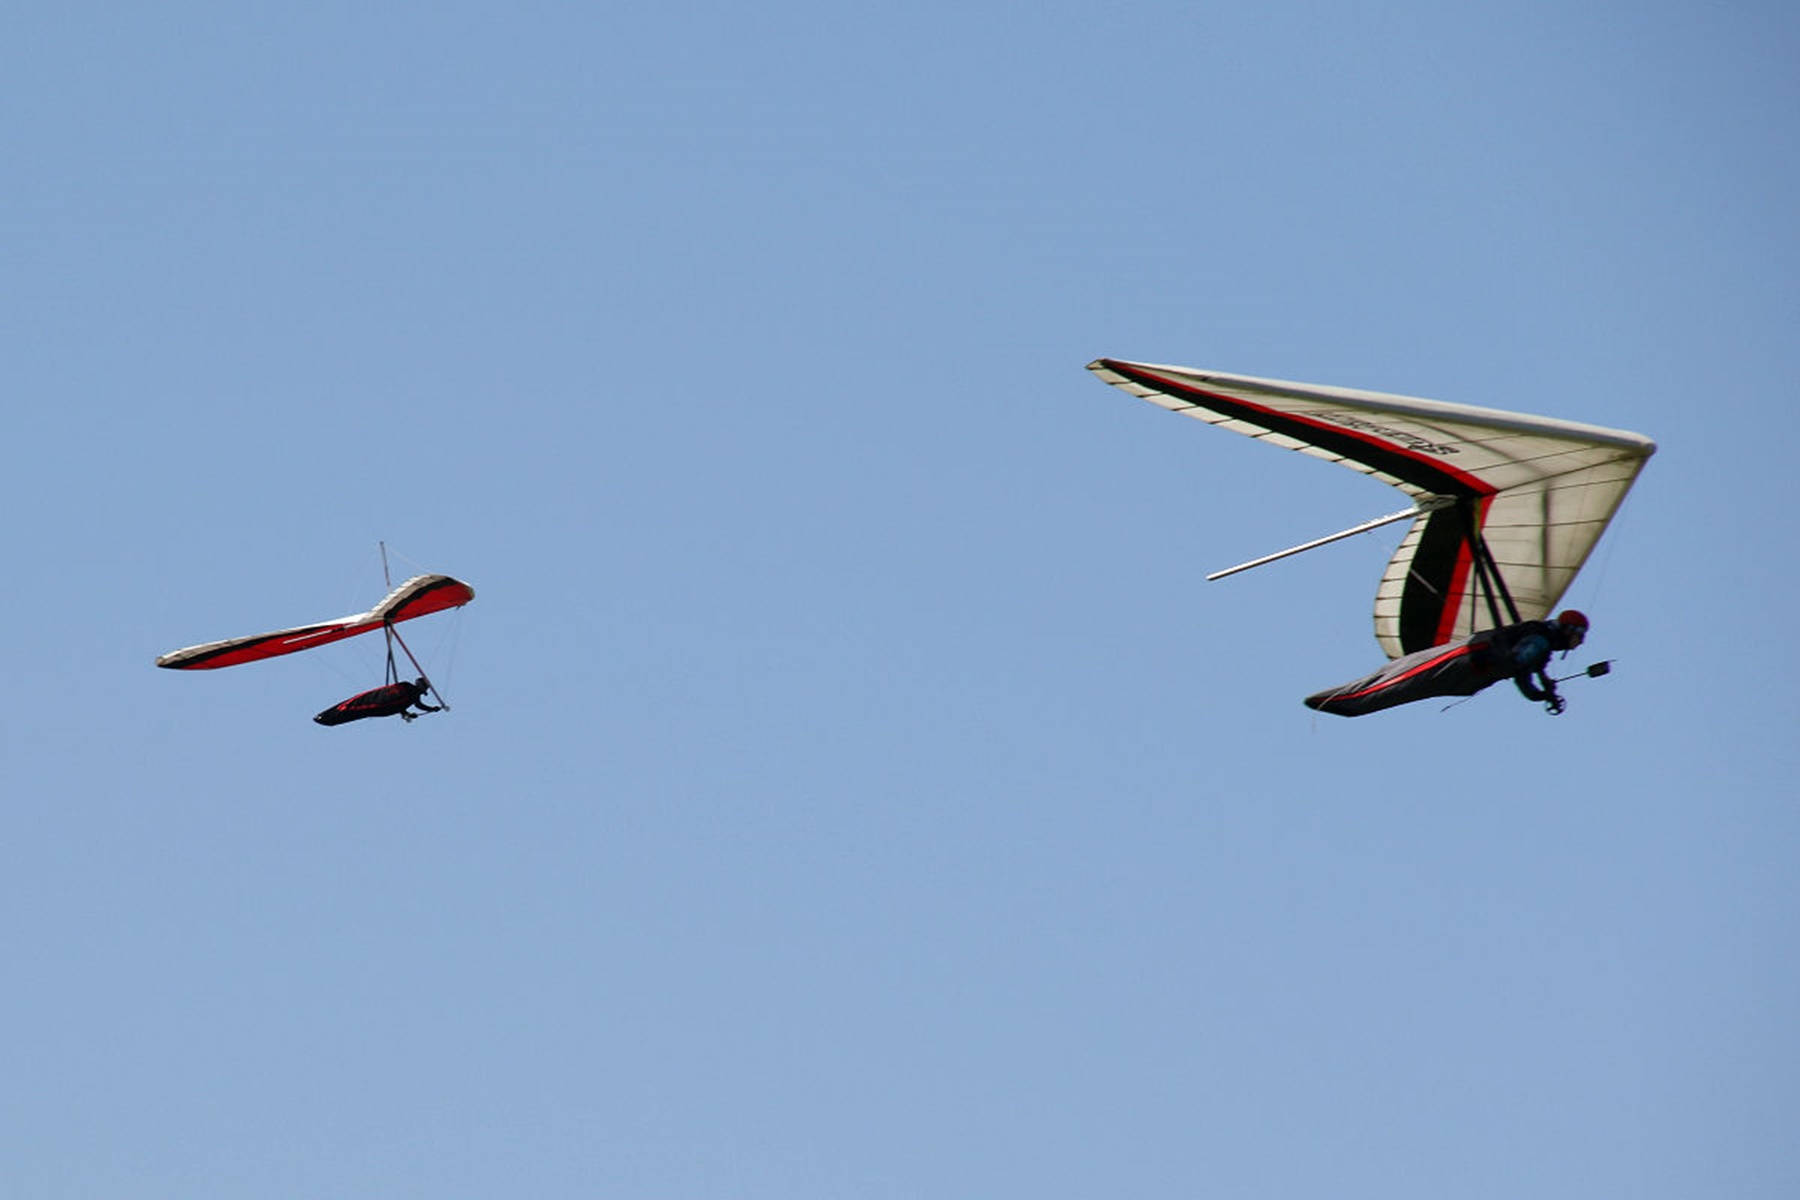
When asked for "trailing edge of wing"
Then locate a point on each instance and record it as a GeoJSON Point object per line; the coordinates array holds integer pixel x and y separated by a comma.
{"type": "Point", "coordinates": [417, 597]}
{"type": "Point", "coordinates": [1540, 490]}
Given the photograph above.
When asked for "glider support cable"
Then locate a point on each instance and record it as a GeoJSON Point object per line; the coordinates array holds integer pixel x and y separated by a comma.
{"type": "Point", "coordinates": [1428, 504]}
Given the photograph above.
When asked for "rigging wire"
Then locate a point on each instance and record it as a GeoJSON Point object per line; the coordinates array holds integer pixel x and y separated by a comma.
{"type": "Point", "coordinates": [429, 685]}
{"type": "Point", "coordinates": [1606, 556]}
{"type": "Point", "coordinates": [413, 568]}
{"type": "Point", "coordinates": [448, 642]}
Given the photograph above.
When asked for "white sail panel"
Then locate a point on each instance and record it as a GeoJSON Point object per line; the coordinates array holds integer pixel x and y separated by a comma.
{"type": "Point", "coordinates": [1539, 491]}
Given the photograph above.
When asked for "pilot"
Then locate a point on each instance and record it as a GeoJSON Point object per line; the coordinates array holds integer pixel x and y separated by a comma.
{"type": "Point", "coordinates": [417, 699]}
{"type": "Point", "coordinates": [1531, 654]}
{"type": "Point", "coordinates": [1518, 652]}
{"type": "Point", "coordinates": [386, 701]}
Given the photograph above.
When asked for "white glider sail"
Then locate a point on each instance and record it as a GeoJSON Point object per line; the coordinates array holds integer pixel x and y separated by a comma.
{"type": "Point", "coordinates": [1506, 505]}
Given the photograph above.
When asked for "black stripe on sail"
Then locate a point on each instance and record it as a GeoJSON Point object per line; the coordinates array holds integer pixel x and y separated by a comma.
{"type": "Point", "coordinates": [1420, 471]}
{"type": "Point", "coordinates": [437, 584]}
{"type": "Point", "coordinates": [1431, 580]}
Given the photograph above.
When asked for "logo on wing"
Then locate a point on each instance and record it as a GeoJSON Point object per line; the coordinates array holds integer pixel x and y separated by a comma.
{"type": "Point", "coordinates": [1407, 438]}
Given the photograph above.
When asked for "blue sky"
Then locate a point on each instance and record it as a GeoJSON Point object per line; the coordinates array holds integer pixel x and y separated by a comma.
{"type": "Point", "coordinates": [853, 788]}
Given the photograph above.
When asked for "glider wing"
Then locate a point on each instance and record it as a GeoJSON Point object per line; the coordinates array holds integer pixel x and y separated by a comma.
{"type": "Point", "coordinates": [1538, 490]}
{"type": "Point", "coordinates": [417, 597]}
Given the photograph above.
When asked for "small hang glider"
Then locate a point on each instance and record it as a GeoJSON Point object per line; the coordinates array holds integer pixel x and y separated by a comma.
{"type": "Point", "coordinates": [1505, 508]}
{"type": "Point", "coordinates": [419, 596]}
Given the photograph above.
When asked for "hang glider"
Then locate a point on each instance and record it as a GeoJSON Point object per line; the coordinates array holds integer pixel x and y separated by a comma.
{"type": "Point", "coordinates": [417, 597]}
{"type": "Point", "coordinates": [1505, 506]}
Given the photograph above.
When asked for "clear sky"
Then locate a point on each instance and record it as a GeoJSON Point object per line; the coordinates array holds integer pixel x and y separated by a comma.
{"type": "Point", "coordinates": [853, 788]}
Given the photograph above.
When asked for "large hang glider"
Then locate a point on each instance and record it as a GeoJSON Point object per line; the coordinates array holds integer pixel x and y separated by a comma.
{"type": "Point", "coordinates": [1505, 506]}
{"type": "Point", "coordinates": [419, 596]}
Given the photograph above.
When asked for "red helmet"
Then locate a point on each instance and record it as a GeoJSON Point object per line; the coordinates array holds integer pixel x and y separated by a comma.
{"type": "Point", "coordinates": [1571, 619]}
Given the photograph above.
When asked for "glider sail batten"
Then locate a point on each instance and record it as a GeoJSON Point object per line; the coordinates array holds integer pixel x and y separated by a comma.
{"type": "Point", "coordinates": [1538, 491]}
{"type": "Point", "coordinates": [417, 597]}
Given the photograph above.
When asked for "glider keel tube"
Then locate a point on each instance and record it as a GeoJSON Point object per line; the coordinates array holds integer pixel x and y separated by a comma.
{"type": "Point", "coordinates": [417, 597]}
